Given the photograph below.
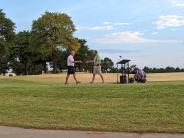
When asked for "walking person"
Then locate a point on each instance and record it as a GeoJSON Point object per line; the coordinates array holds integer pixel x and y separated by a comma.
{"type": "Point", "coordinates": [96, 67]}
{"type": "Point", "coordinates": [71, 67]}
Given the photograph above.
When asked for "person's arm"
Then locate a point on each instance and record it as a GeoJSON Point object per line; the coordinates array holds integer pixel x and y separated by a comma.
{"type": "Point", "coordinates": [97, 63]}
{"type": "Point", "coordinates": [79, 61]}
{"type": "Point", "coordinates": [89, 61]}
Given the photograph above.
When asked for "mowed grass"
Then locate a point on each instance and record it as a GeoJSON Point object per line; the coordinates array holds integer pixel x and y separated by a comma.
{"type": "Point", "coordinates": [151, 107]}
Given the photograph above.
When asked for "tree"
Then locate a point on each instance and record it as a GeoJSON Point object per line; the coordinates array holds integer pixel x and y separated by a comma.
{"type": "Point", "coordinates": [170, 69]}
{"type": "Point", "coordinates": [177, 69]}
{"type": "Point", "coordinates": [84, 54]}
{"type": "Point", "coordinates": [62, 58]}
{"type": "Point", "coordinates": [22, 50]}
{"type": "Point", "coordinates": [107, 64]}
{"type": "Point", "coordinates": [147, 69]}
{"type": "Point", "coordinates": [6, 40]}
{"type": "Point", "coordinates": [51, 31]}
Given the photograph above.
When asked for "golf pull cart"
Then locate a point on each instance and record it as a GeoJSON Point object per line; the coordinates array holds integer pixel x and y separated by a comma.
{"type": "Point", "coordinates": [125, 72]}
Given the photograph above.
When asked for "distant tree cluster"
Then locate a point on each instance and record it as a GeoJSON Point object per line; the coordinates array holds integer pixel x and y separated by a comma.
{"type": "Point", "coordinates": [27, 52]}
{"type": "Point", "coordinates": [162, 70]}
{"type": "Point", "coordinates": [48, 41]}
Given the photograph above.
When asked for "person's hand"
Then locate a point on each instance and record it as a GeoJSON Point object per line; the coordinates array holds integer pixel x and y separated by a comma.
{"type": "Point", "coordinates": [107, 63]}
{"type": "Point", "coordinates": [87, 62]}
{"type": "Point", "coordinates": [79, 62]}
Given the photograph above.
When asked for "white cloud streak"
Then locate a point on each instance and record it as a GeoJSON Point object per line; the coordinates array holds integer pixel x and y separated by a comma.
{"type": "Point", "coordinates": [124, 37]}
{"type": "Point", "coordinates": [178, 3]}
{"type": "Point", "coordinates": [104, 26]}
{"type": "Point", "coordinates": [117, 51]}
{"type": "Point", "coordinates": [130, 38]}
{"type": "Point", "coordinates": [169, 21]}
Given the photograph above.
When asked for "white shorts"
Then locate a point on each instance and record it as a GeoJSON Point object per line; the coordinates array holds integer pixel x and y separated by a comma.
{"type": "Point", "coordinates": [97, 70]}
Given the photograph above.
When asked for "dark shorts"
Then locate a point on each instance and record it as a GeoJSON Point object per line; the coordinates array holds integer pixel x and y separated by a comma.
{"type": "Point", "coordinates": [71, 70]}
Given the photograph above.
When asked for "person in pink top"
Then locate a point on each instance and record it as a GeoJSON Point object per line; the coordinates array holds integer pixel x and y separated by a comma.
{"type": "Point", "coordinates": [71, 67]}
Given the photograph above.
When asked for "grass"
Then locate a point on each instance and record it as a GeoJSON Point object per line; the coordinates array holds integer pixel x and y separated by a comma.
{"type": "Point", "coordinates": [151, 107]}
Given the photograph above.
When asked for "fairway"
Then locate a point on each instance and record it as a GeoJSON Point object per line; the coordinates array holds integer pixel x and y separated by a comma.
{"type": "Point", "coordinates": [45, 102]}
{"type": "Point", "coordinates": [86, 77]}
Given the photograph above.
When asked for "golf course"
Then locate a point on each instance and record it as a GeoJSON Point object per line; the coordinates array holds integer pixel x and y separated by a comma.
{"type": "Point", "coordinates": [43, 101]}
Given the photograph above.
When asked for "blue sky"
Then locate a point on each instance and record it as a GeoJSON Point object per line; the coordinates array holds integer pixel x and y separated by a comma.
{"type": "Point", "coordinates": [149, 32]}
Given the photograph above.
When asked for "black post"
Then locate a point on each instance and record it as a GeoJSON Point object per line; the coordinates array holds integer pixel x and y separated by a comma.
{"type": "Point", "coordinates": [128, 72]}
{"type": "Point", "coordinates": [117, 74]}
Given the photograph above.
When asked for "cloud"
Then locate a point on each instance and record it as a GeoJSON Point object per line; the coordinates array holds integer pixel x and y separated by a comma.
{"type": "Point", "coordinates": [178, 3]}
{"type": "Point", "coordinates": [169, 21]}
{"type": "Point", "coordinates": [182, 42]}
{"type": "Point", "coordinates": [103, 26]}
{"type": "Point", "coordinates": [155, 33]}
{"type": "Point", "coordinates": [131, 38]}
{"type": "Point", "coordinates": [117, 51]}
{"type": "Point", "coordinates": [124, 37]}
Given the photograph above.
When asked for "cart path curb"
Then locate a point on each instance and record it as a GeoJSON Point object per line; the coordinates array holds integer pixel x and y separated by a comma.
{"type": "Point", "coordinates": [13, 132]}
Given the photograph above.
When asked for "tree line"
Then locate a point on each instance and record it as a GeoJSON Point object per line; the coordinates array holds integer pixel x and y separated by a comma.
{"type": "Point", "coordinates": [49, 41]}
{"type": "Point", "coordinates": [163, 70]}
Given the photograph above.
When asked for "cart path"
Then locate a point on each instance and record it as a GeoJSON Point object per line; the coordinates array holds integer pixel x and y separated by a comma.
{"type": "Point", "coordinates": [13, 132]}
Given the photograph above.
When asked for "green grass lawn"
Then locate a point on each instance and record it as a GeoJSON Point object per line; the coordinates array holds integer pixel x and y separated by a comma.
{"type": "Point", "coordinates": [151, 107]}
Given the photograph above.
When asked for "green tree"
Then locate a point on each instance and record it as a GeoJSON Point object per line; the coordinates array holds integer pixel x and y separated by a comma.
{"type": "Point", "coordinates": [177, 69]}
{"type": "Point", "coordinates": [147, 69]}
{"type": "Point", "coordinates": [40, 56]}
{"type": "Point", "coordinates": [169, 69]}
{"type": "Point", "coordinates": [6, 40]}
{"type": "Point", "coordinates": [62, 58]}
{"type": "Point", "coordinates": [107, 64]}
{"type": "Point", "coordinates": [51, 31]}
{"type": "Point", "coordinates": [83, 54]}
{"type": "Point", "coordinates": [22, 51]}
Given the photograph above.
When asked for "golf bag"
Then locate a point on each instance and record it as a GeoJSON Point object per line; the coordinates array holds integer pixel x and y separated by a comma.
{"type": "Point", "coordinates": [140, 75]}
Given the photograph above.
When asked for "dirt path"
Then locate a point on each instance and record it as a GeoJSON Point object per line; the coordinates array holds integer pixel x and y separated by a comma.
{"type": "Point", "coordinates": [12, 132]}
{"type": "Point", "coordinates": [86, 77]}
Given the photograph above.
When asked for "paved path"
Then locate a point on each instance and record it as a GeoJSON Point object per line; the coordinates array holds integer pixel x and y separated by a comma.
{"type": "Point", "coordinates": [12, 132]}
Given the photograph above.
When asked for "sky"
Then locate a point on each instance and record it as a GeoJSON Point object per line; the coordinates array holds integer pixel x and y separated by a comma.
{"type": "Point", "coordinates": [148, 32]}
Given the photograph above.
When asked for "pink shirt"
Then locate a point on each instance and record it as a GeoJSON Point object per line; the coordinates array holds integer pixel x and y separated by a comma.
{"type": "Point", "coordinates": [70, 61]}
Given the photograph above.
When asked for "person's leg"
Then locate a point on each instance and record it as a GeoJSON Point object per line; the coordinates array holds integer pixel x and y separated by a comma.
{"type": "Point", "coordinates": [75, 78]}
{"type": "Point", "coordinates": [99, 71]}
{"type": "Point", "coordinates": [94, 74]}
{"type": "Point", "coordinates": [101, 77]}
{"type": "Point", "coordinates": [93, 78]}
{"type": "Point", "coordinates": [74, 74]}
{"type": "Point", "coordinates": [67, 77]}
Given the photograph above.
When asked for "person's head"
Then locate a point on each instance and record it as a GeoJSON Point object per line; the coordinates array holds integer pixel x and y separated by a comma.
{"type": "Point", "coordinates": [133, 68]}
{"type": "Point", "coordinates": [95, 52]}
{"type": "Point", "coordinates": [72, 53]}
